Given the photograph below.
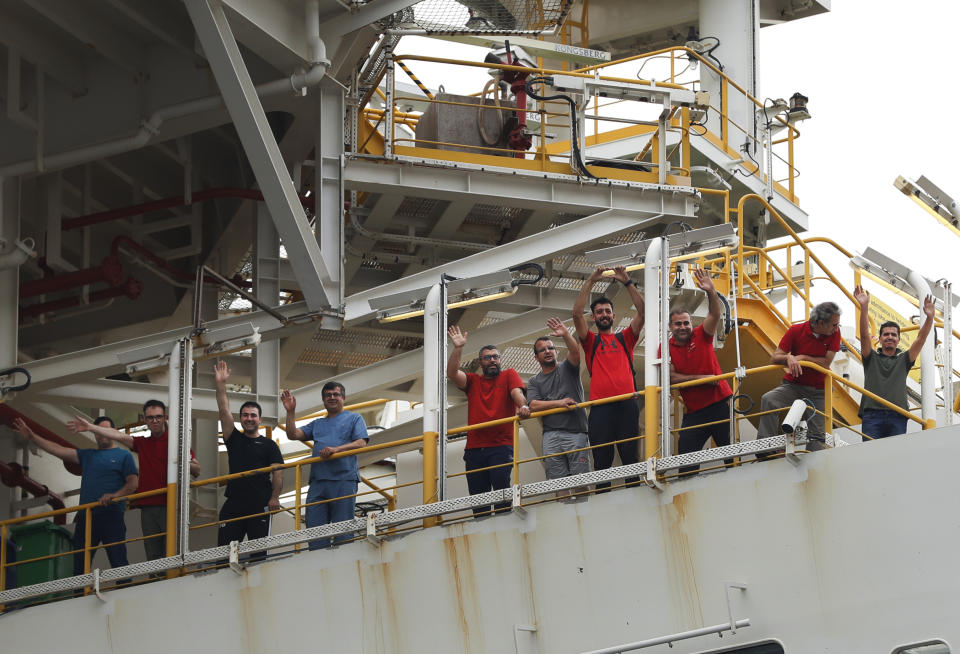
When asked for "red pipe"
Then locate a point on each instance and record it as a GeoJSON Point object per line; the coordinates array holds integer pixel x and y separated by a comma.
{"type": "Point", "coordinates": [110, 271]}
{"type": "Point", "coordinates": [130, 288]}
{"type": "Point", "coordinates": [7, 416]}
{"type": "Point", "coordinates": [168, 203]}
{"type": "Point", "coordinates": [11, 474]}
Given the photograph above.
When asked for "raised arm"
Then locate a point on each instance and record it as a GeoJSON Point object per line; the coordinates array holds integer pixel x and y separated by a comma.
{"type": "Point", "coordinates": [714, 306]}
{"type": "Point", "coordinates": [454, 374]}
{"type": "Point", "coordinates": [620, 274]}
{"type": "Point", "coordinates": [560, 330]}
{"type": "Point", "coordinates": [194, 467]}
{"type": "Point", "coordinates": [67, 454]}
{"type": "Point", "coordinates": [290, 404]}
{"type": "Point", "coordinates": [580, 304]}
{"type": "Point", "coordinates": [930, 311]}
{"type": "Point", "coordinates": [866, 342]}
{"type": "Point", "coordinates": [81, 424]}
{"type": "Point", "coordinates": [222, 373]}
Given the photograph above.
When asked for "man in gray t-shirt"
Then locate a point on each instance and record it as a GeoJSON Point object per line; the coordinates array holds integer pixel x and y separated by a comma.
{"type": "Point", "coordinates": [885, 370]}
{"type": "Point", "coordinates": [558, 386]}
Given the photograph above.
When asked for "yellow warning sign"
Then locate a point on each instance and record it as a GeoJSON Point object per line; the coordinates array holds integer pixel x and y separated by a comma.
{"type": "Point", "coordinates": [881, 313]}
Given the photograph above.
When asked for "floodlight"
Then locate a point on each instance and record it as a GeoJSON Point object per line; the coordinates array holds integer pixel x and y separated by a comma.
{"type": "Point", "coordinates": [933, 200]}
{"type": "Point", "coordinates": [690, 241]}
{"type": "Point", "coordinates": [470, 290]}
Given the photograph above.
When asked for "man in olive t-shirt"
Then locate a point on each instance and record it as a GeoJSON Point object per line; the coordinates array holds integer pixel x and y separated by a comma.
{"type": "Point", "coordinates": [885, 370]}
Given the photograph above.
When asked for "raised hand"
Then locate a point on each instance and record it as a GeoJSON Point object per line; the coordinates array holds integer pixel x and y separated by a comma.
{"type": "Point", "coordinates": [22, 428]}
{"type": "Point", "coordinates": [862, 297]}
{"type": "Point", "coordinates": [289, 401]}
{"type": "Point", "coordinates": [221, 371]}
{"type": "Point", "coordinates": [78, 425]}
{"type": "Point", "coordinates": [596, 275]}
{"type": "Point", "coordinates": [559, 329]}
{"type": "Point", "coordinates": [458, 337]}
{"type": "Point", "coordinates": [620, 274]}
{"type": "Point", "coordinates": [929, 307]}
{"type": "Point", "coordinates": [703, 280]}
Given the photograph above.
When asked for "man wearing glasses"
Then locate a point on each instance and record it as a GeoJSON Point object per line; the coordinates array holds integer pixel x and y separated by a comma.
{"type": "Point", "coordinates": [558, 386]}
{"type": "Point", "coordinates": [152, 453]}
{"type": "Point", "coordinates": [330, 479]}
{"type": "Point", "coordinates": [494, 394]}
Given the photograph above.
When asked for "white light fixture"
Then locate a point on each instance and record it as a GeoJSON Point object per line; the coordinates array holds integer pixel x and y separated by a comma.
{"type": "Point", "coordinates": [460, 293]}
{"type": "Point", "coordinates": [690, 241]}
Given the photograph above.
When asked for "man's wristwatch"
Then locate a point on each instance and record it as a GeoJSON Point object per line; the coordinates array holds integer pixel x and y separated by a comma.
{"type": "Point", "coordinates": [629, 282]}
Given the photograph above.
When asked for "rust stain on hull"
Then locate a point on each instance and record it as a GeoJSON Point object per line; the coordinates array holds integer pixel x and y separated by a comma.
{"type": "Point", "coordinates": [680, 565]}
{"type": "Point", "coordinates": [461, 567]}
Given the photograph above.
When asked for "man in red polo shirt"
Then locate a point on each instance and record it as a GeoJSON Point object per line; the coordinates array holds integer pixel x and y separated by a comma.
{"type": "Point", "coordinates": [152, 453]}
{"type": "Point", "coordinates": [692, 357]}
{"type": "Point", "coordinates": [609, 358]}
{"type": "Point", "coordinates": [816, 341]}
{"type": "Point", "coordinates": [494, 394]}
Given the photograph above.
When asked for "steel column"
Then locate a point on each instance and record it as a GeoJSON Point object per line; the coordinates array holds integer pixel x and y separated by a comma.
{"type": "Point", "coordinates": [262, 151]}
{"type": "Point", "coordinates": [928, 371]}
{"type": "Point", "coordinates": [266, 286]}
{"type": "Point", "coordinates": [651, 327]}
{"type": "Point", "coordinates": [328, 180]}
{"type": "Point", "coordinates": [435, 388]}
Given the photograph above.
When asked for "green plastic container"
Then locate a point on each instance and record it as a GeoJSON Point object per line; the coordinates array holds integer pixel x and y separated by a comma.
{"type": "Point", "coordinates": [42, 539]}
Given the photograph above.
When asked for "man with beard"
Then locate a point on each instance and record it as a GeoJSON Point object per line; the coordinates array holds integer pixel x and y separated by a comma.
{"type": "Point", "coordinates": [246, 450]}
{"type": "Point", "coordinates": [558, 387]}
{"type": "Point", "coordinates": [494, 394]}
{"type": "Point", "coordinates": [692, 357]}
{"type": "Point", "coordinates": [609, 358]}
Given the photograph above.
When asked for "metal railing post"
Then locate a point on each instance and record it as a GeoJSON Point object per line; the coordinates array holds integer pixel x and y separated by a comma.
{"type": "Point", "coordinates": [430, 487]}
{"type": "Point", "coordinates": [516, 451]}
{"type": "Point", "coordinates": [297, 503]}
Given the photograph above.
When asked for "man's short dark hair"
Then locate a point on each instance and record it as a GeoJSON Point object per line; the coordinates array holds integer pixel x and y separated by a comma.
{"type": "Point", "coordinates": [253, 404]}
{"type": "Point", "coordinates": [103, 419]}
{"type": "Point", "coordinates": [823, 312]}
{"type": "Point", "coordinates": [485, 348]}
{"type": "Point", "coordinates": [542, 338]}
{"type": "Point", "coordinates": [890, 323]}
{"type": "Point", "coordinates": [600, 300]}
{"type": "Point", "coordinates": [674, 312]}
{"type": "Point", "coordinates": [329, 386]}
{"type": "Point", "coordinates": [150, 403]}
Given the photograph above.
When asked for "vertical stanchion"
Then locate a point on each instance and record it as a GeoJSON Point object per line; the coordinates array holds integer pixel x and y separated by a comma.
{"type": "Point", "coordinates": [430, 487]}
{"type": "Point", "coordinates": [3, 559]}
{"type": "Point", "coordinates": [651, 342]}
{"type": "Point", "coordinates": [87, 538]}
{"type": "Point", "coordinates": [298, 483]}
{"type": "Point", "coordinates": [516, 451]}
{"type": "Point", "coordinates": [828, 406]}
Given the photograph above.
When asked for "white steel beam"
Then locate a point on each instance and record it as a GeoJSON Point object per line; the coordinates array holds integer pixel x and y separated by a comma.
{"type": "Point", "coordinates": [516, 188]}
{"type": "Point", "coordinates": [347, 22]}
{"type": "Point", "coordinates": [263, 153]}
{"type": "Point", "coordinates": [569, 237]}
{"type": "Point", "coordinates": [106, 359]}
{"type": "Point", "coordinates": [78, 21]}
{"type": "Point", "coordinates": [371, 381]}
{"type": "Point", "coordinates": [266, 273]}
{"type": "Point", "coordinates": [61, 62]}
{"type": "Point", "coordinates": [164, 24]}
{"type": "Point", "coordinates": [329, 110]}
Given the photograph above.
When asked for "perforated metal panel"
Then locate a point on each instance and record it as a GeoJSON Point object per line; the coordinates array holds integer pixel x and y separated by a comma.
{"type": "Point", "coordinates": [481, 16]}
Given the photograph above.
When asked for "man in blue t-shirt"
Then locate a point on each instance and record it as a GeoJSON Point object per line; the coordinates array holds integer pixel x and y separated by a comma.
{"type": "Point", "coordinates": [108, 473]}
{"type": "Point", "coordinates": [339, 431]}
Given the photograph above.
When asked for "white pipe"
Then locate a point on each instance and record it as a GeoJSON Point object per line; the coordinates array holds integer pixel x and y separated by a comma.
{"type": "Point", "coordinates": [151, 126]}
{"type": "Point", "coordinates": [672, 638]}
{"type": "Point", "coordinates": [666, 439]}
{"type": "Point", "coordinates": [651, 312]}
{"type": "Point", "coordinates": [315, 45]}
{"type": "Point", "coordinates": [173, 414]}
{"type": "Point", "coordinates": [18, 255]}
{"type": "Point", "coordinates": [434, 377]}
{"type": "Point", "coordinates": [928, 371]}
